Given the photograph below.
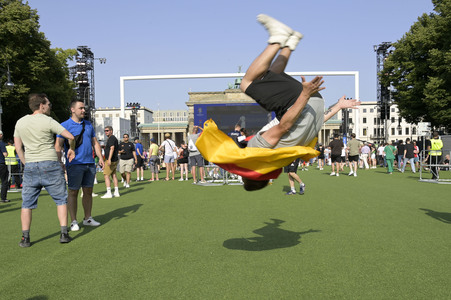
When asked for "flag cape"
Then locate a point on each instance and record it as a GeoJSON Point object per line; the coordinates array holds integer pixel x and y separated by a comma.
{"type": "Point", "coordinates": [253, 163]}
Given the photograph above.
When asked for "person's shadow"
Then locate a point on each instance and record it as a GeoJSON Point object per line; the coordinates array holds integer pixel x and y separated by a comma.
{"type": "Point", "coordinates": [441, 216]}
{"type": "Point", "coordinates": [272, 237]}
{"type": "Point", "coordinates": [103, 219]}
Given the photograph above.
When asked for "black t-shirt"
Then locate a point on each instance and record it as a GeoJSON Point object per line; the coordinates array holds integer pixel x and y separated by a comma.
{"type": "Point", "coordinates": [401, 149]}
{"type": "Point", "coordinates": [336, 146]}
{"type": "Point", "coordinates": [128, 147]}
{"type": "Point", "coordinates": [410, 149]}
{"type": "Point", "coordinates": [112, 141]}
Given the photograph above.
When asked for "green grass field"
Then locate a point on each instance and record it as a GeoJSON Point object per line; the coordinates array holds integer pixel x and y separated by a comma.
{"type": "Point", "coordinates": [376, 236]}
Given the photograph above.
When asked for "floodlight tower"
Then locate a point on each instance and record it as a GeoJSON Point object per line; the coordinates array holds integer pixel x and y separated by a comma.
{"type": "Point", "coordinates": [83, 76]}
{"type": "Point", "coordinates": [383, 92]}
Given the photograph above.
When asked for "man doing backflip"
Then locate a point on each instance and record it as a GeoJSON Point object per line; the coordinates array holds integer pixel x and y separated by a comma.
{"type": "Point", "coordinates": [299, 108]}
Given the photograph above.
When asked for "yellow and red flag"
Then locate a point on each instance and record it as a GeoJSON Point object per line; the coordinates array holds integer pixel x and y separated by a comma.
{"type": "Point", "coordinates": [253, 163]}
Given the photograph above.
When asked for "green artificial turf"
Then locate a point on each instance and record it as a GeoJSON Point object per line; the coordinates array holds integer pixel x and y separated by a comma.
{"type": "Point", "coordinates": [375, 236]}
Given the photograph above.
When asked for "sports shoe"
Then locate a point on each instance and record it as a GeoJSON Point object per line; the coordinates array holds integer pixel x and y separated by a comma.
{"type": "Point", "coordinates": [74, 226]}
{"type": "Point", "coordinates": [351, 173]}
{"type": "Point", "coordinates": [202, 182]}
{"type": "Point", "coordinates": [127, 186]}
{"type": "Point", "coordinates": [65, 238]}
{"type": "Point", "coordinates": [290, 193]}
{"type": "Point", "coordinates": [332, 174]}
{"type": "Point", "coordinates": [25, 242]}
{"type": "Point", "coordinates": [355, 174]}
{"type": "Point", "coordinates": [116, 194]}
{"type": "Point", "coordinates": [6, 201]}
{"type": "Point", "coordinates": [279, 33]}
{"type": "Point", "coordinates": [108, 195]}
{"type": "Point", "coordinates": [181, 179]}
{"type": "Point", "coordinates": [90, 222]}
{"type": "Point", "coordinates": [302, 189]}
{"type": "Point", "coordinates": [94, 195]}
{"type": "Point", "coordinates": [293, 40]}
{"type": "Point", "coordinates": [337, 174]}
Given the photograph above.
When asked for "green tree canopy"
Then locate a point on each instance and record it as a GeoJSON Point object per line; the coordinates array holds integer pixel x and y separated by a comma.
{"type": "Point", "coordinates": [35, 67]}
{"type": "Point", "coordinates": [419, 68]}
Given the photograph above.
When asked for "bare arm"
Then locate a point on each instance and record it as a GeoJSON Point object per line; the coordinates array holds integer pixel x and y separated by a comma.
{"type": "Point", "coordinates": [341, 104]}
{"type": "Point", "coordinates": [273, 135]}
{"type": "Point", "coordinates": [19, 150]}
{"type": "Point", "coordinates": [71, 150]}
{"type": "Point", "coordinates": [98, 151]}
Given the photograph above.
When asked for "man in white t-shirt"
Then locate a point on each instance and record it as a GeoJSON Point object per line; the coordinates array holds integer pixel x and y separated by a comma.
{"type": "Point", "coordinates": [170, 152]}
{"type": "Point", "coordinates": [42, 169]}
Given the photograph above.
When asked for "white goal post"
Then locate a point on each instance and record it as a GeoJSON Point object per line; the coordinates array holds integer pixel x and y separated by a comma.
{"type": "Point", "coordinates": [237, 75]}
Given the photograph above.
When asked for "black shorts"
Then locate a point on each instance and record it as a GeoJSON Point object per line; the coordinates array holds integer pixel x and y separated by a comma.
{"type": "Point", "coordinates": [336, 158]}
{"type": "Point", "coordinates": [293, 167]}
{"type": "Point", "coordinates": [275, 92]}
{"type": "Point", "coordinates": [354, 158]}
{"type": "Point", "coordinates": [140, 162]}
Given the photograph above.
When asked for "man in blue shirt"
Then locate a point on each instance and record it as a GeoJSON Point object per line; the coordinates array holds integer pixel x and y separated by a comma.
{"type": "Point", "coordinates": [3, 169]}
{"type": "Point", "coordinates": [140, 159]}
{"type": "Point", "coordinates": [81, 171]}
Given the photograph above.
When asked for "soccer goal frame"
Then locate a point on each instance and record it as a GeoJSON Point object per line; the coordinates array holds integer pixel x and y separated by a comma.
{"type": "Point", "coordinates": [237, 75]}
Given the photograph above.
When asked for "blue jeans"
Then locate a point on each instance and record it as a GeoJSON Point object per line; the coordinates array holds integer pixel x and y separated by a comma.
{"type": "Point", "coordinates": [412, 164]}
{"type": "Point", "coordinates": [47, 174]}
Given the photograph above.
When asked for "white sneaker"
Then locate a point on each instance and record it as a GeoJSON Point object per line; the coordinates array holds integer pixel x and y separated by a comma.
{"type": "Point", "coordinates": [278, 32]}
{"type": "Point", "coordinates": [116, 194]}
{"type": "Point", "coordinates": [90, 222]}
{"type": "Point", "coordinates": [293, 40]}
{"type": "Point", "coordinates": [332, 174]}
{"type": "Point", "coordinates": [350, 173]}
{"type": "Point", "coordinates": [127, 186]}
{"type": "Point", "coordinates": [74, 226]}
{"type": "Point", "coordinates": [355, 174]}
{"type": "Point", "coordinates": [94, 194]}
{"type": "Point", "coordinates": [181, 179]}
{"type": "Point", "coordinates": [107, 195]}
{"type": "Point", "coordinates": [337, 174]}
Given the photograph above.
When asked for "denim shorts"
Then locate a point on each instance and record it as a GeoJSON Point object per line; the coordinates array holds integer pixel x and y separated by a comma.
{"type": "Point", "coordinates": [47, 174]}
{"type": "Point", "coordinates": [80, 176]}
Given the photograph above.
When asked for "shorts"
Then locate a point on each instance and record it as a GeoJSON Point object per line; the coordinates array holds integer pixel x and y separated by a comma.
{"type": "Point", "coordinates": [196, 160]}
{"type": "Point", "coordinates": [80, 176]}
{"type": "Point", "coordinates": [154, 162]}
{"type": "Point", "coordinates": [354, 158]}
{"type": "Point", "coordinates": [48, 174]}
{"type": "Point", "coordinates": [293, 167]}
{"type": "Point", "coordinates": [275, 92]}
{"type": "Point", "coordinates": [126, 165]}
{"type": "Point", "coordinates": [168, 159]}
{"type": "Point", "coordinates": [110, 169]}
{"type": "Point", "coordinates": [140, 162]}
{"type": "Point", "coordinates": [336, 158]}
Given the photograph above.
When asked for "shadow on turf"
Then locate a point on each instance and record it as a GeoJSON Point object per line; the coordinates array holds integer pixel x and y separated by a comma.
{"type": "Point", "coordinates": [441, 216]}
{"type": "Point", "coordinates": [103, 219]}
{"type": "Point", "coordinates": [272, 237]}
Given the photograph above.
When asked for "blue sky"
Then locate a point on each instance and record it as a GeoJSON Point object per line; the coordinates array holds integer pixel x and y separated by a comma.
{"type": "Point", "coordinates": [156, 37]}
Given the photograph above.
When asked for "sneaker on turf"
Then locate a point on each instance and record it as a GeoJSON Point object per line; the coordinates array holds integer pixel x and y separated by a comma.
{"type": "Point", "coordinates": [90, 222]}
{"type": "Point", "coordinates": [337, 174]}
{"type": "Point", "coordinates": [355, 174]}
{"type": "Point", "coordinates": [108, 195]}
{"type": "Point", "coordinates": [116, 194]}
{"type": "Point", "coordinates": [351, 173]}
{"type": "Point", "coordinates": [74, 226]}
{"type": "Point", "coordinates": [290, 193]}
{"type": "Point", "coordinates": [25, 242]}
{"type": "Point", "coordinates": [127, 186]}
{"type": "Point", "coordinates": [332, 174]}
{"type": "Point", "coordinates": [65, 238]}
{"type": "Point", "coordinates": [302, 189]}
{"type": "Point", "coordinates": [181, 179]}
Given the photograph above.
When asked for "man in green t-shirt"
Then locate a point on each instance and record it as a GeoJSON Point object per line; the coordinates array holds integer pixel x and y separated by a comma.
{"type": "Point", "coordinates": [390, 152]}
{"type": "Point", "coordinates": [42, 169]}
{"type": "Point", "coordinates": [353, 154]}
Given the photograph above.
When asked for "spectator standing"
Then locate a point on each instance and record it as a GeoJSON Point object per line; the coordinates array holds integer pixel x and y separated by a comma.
{"type": "Point", "coordinates": [335, 146]}
{"type": "Point", "coordinates": [170, 153]}
{"type": "Point", "coordinates": [4, 173]}
{"type": "Point", "coordinates": [435, 154]}
{"type": "Point", "coordinates": [321, 157]}
{"type": "Point", "coordinates": [11, 160]}
{"type": "Point", "coordinates": [390, 152]}
{"type": "Point", "coordinates": [154, 160]}
{"type": "Point", "coordinates": [400, 151]}
{"type": "Point", "coordinates": [353, 154]}
{"type": "Point", "coordinates": [139, 149]}
{"type": "Point", "coordinates": [183, 156]}
{"type": "Point", "coordinates": [127, 159]}
{"type": "Point", "coordinates": [41, 166]}
{"type": "Point", "coordinates": [365, 151]}
{"type": "Point", "coordinates": [381, 155]}
{"type": "Point", "coordinates": [416, 159]}
{"type": "Point", "coordinates": [195, 158]}
{"type": "Point", "coordinates": [409, 155]}
{"type": "Point", "coordinates": [111, 160]}
{"type": "Point", "coordinates": [81, 171]}
{"type": "Point", "coordinates": [291, 169]}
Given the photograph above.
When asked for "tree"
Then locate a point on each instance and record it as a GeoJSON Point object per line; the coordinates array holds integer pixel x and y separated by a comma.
{"type": "Point", "coordinates": [419, 68]}
{"type": "Point", "coordinates": [35, 67]}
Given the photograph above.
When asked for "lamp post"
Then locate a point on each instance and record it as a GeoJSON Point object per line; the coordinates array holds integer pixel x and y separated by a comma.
{"type": "Point", "coordinates": [9, 85]}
